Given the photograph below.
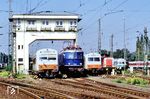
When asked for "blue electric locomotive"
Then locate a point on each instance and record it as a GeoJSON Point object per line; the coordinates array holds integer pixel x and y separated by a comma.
{"type": "Point", "coordinates": [71, 61]}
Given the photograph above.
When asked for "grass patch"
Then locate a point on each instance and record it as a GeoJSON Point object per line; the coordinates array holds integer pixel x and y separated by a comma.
{"type": "Point", "coordinates": [7, 74]}
{"type": "Point", "coordinates": [4, 74]}
{"type": "Point", "coordinates": [118, 80]}
{"type": "Point", "coordinates": [20, 76]}
{"type": "Point", "coordinates": [133, 81]}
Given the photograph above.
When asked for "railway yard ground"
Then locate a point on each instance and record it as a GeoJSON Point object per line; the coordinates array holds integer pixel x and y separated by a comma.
{"type": "Point", "coordinates": [93, 87]}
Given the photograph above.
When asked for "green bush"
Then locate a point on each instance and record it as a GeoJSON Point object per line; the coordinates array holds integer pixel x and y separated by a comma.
{"type": "Point", "coordinates": [144, 82]}
{"type": "Point", "coordinates": [4, 74]}
{"type": "Point", "coordinates": [128, 80]}
{"type": "Point", "coordinates": [136, 81]}
{"type": "Point", "coordinates": [133, 81]}
{"type": "Point", "coordinates": [119, 80]}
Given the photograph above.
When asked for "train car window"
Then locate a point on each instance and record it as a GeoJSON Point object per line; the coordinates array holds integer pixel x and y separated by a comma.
{"type": "Point", "coordinates": [78, 55]}
{"type": "Point", "coordinates": [96, 59]}
{"type": "Point", "coordinates": [90, 59]}
{"type": "Point", "coordinates": [115, 62]}
{"type": "Point", "coordinates": [43, 58]}
{"type": "Point", "coordinates": [69, 55]}
{"type": "Point", "coordinates": [51, 58]}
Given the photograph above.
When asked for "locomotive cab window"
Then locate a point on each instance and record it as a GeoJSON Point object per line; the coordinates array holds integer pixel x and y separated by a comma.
{"type": "Point", "coordinates": [78, 55]}
{"type": "Point", "coordinates": [90, 59]}
{"type": "Point", "coordinates": [96, 59]}
{"type": "Point", "coordinates": [69, 55]}
{"type": "Point", "coordinates": [43, 58]}
{"type": "Point", "coordinates": [51, 58]}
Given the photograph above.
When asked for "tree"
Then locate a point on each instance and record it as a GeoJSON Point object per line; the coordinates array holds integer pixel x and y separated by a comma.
{"type": "Point", "coordinates": [105, 52]}
{"type": "Point", "coordinates": [118, 54]}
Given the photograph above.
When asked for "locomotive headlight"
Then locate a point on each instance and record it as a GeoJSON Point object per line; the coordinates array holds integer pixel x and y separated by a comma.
{"type": "Point", "coordinates": [80, 63]}
{"type": "Point", "coordinates": [68, 63]}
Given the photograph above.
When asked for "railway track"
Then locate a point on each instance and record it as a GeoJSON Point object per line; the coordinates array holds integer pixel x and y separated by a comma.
{"type": "Point", "coordinates": [71, 89]}
{"type": "Point", "coordinates": [100, 89]}
{"type": "Point", "coordinates": [44, 92]}
{"type": "Point", "coordinates": [9, 91]}
{"type": "Point", "coordinates": [74, 92]}
{"type": "Point", "coordinates": [124, 76]}
{"type": "Point", "coordinates": [128, 91]}
{"type": "Point", "coordinates": [34, 92]}
{"type": "Point", "coordinates": [112, 88]}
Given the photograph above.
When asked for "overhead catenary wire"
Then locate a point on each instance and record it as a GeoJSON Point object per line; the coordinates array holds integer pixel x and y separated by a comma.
{"type": "Point", "coordinates": [80, 5]}
{"type": "Point", "coordinates": [96, 9]}
{"type": "Point", "coordinates": [120, 5]}
{"type": "Point", "coordinates": [108, 12]}
{"type": "Point", "coordinates": [42, 4]}
{"type": "Point", "coordinates": [38, 4]}
{"type": "Point", "coordinates": [99, 7]}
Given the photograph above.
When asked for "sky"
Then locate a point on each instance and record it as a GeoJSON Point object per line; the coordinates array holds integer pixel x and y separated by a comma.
{"type": "Point", "coordinates": [116, 16]}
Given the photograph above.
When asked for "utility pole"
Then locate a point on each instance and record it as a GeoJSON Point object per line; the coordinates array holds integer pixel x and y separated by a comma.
{"type": "Point", "coordinates": [124, 30]}
{"type": "Point", "coordinates": [124, 38]}
{"type": "Point", "coordinates": [146, 50]}
{"type": "Point", "coordinates": [99, 37]}
{"type": "Point", "coordinates": [111, 45]}
{"type": "Point", "coordinates": [10, 36]}
{"type": "Point", "coordinates": [100, 31]}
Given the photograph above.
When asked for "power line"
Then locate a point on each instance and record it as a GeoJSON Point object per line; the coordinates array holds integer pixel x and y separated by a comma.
{"type": "Point", "coordinates": [99, 7]}
{"type": "Point", "coordinates": [96, 13]}
{"type": "Point", "coordinates": [38, 4]}
{"type": "Point", "coordinates": [80, 6]}
{"type": "Point", "coordinates": [100, 18]}
{"type": "Point", "coordinates": [120, 4]}
{"type": "Point", "coordinates": [42, 4]}
{"type": "Point", "coordinates": [106, 2]}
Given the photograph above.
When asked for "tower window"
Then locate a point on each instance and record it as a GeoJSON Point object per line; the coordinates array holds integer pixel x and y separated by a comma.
{"type": "Point", "coordinates": [31, 22]}
{"type": "Point", "coordinates": [59, 23]}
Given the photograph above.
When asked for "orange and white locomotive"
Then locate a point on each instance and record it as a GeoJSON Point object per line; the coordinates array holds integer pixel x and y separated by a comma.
{"type": "Point", "coordinates": [92, 63]}
{"type": "Point", "coordinates": [46, 62]}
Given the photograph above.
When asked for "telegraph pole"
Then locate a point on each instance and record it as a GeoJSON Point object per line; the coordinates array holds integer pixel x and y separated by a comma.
{"type": "Point", "coordinates": [99, 37]}
{"type": "Point", "coordinates": [146, 50]}
{"type": "Point", "coordinates": [124, 38]}
{"type": "Point", "coordinates": [111, 45]}
{"type": "Point", "coordinates": [10, 56]}
{"type": "Point", "coordinates": [100, 31]}
{"type": "Point", "coordinates": [124, 27]}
